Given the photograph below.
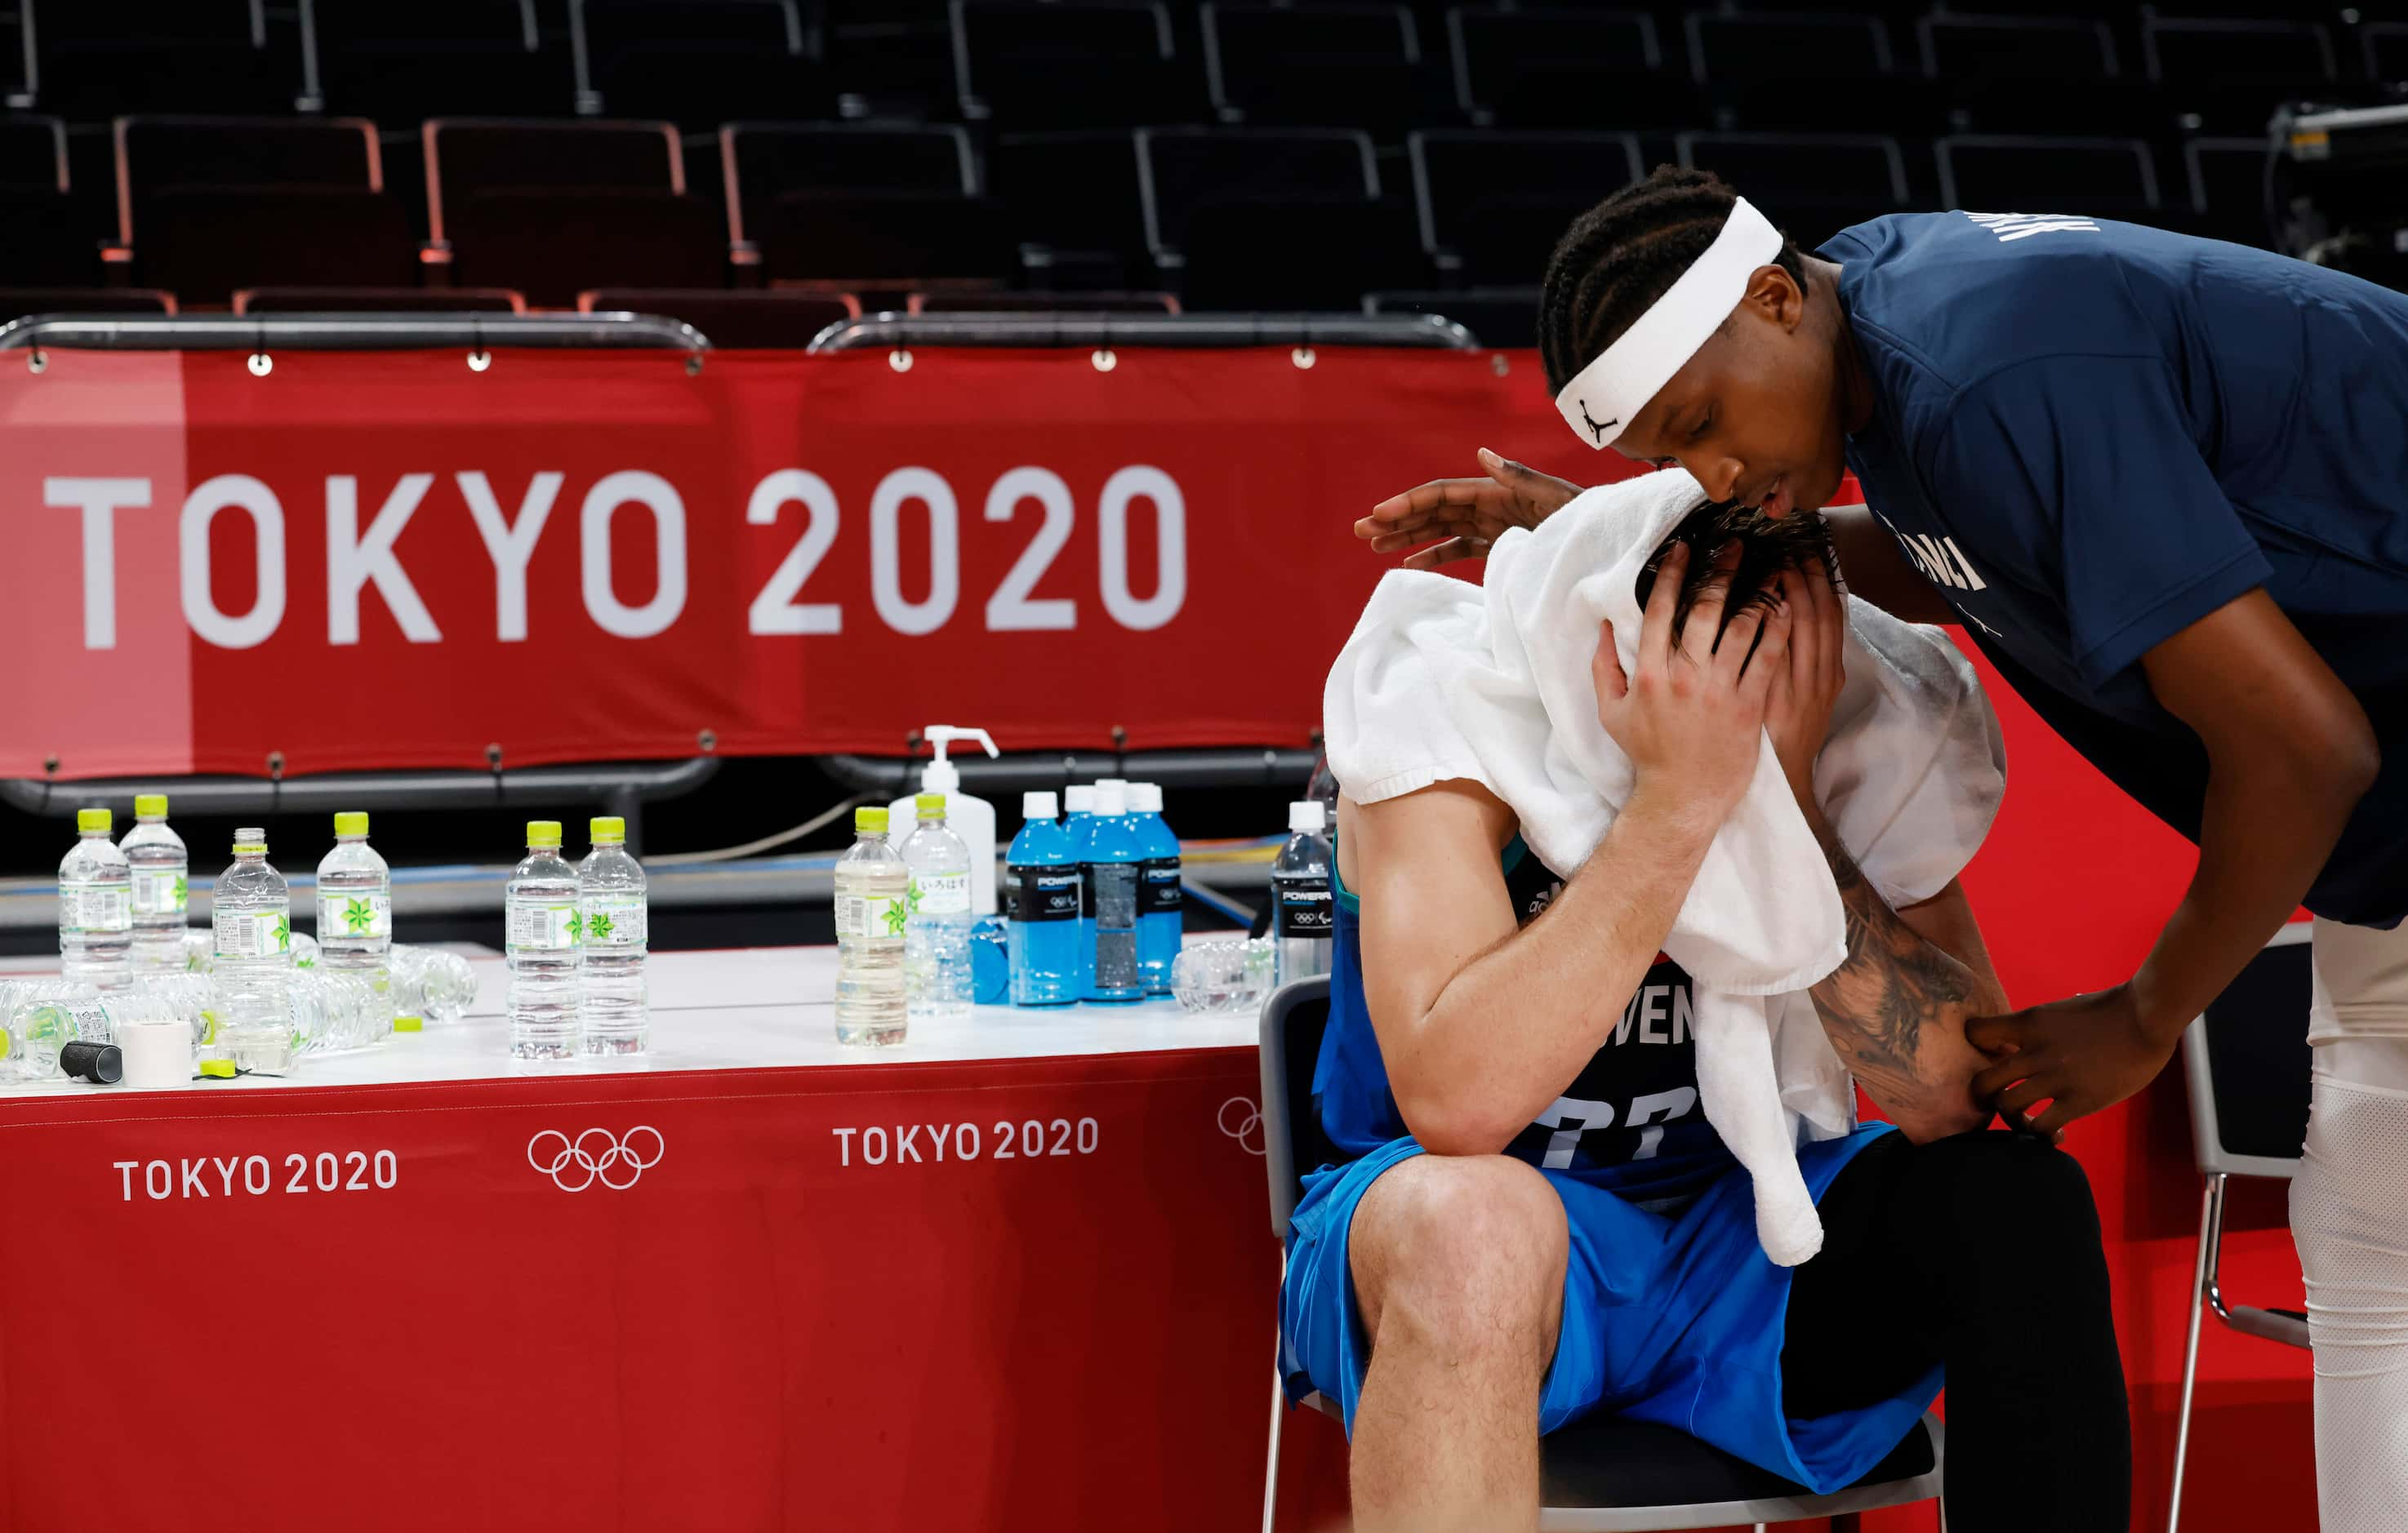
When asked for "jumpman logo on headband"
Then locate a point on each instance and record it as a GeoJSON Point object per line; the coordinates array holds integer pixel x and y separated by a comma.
{"type": "Point", "coordinates": [1595, 429]}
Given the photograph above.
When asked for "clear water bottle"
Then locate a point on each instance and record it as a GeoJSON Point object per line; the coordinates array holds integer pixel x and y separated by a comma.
{"type": "Point", "coordinates": [251, 914]}
{"type": "Point", "coordinates": [355, 925]}
{"type": "Point", "coordinates": [430, 987]}
{"type": "Point", "coordinates": [1079, 823]}
{"type": "Point", "coordinates": [937, 934]}
{"type": "Point", "coordinates": [872, 907]}
{"type": "Point", "coordinates": [1041, 894]}
{"type": "Point", "coordinates": [96, 907]}
{"type": "Point", "coordinates": [541, 929]}
{"type": "Point", "coordinates": [1303, 917]}
{"type": "Point", "coordinates": [1108, 879]}
{"type": "Point", "coordinates": [162, 882]}
{"type": "Point", "coordinates": [1160, 905]}
{"type": "Point", "coordinates": [251, 920]}
{"type": "Point", "coordinates": [45, 1015]}
{"type": "Point", "coordinates": [611, 903]}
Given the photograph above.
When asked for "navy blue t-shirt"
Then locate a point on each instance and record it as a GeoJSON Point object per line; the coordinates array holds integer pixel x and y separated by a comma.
{"type": "Point", "coordinates": [2090, 434]}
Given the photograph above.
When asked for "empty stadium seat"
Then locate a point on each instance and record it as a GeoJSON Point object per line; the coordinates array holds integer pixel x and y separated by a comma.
{"type": "Point", "coordinates": [700, 62]}
{"type": "Point", "coordinates": [841, 200]}
{"type": "Point", "coordinates": [2384, 46]}
{"type": "Point", "coordinates": [1074, 202]}
{"type": "Point", "coordinates": [1493, 203]}
{"type": "Point", "coordinates": [1809, 71]}
{"type": "Point", "coordinates": [2228, 189]}
{"type": "Point", "coordinates": [2097, 178]}
{"type": "Point", "coordinates": [1329, 64]}
{"type": "Point", "coordinates": [1069, 63]}
{"type": "Point", "coordinates": [1565, 70]}
{"type": "Point", "coordinates": [1273, 218]}
{"type": "Point", "coordinates": [554, 207]}
{"type": "Point", "coordinates": [209, 205]}
{"type": "Point", "coordinates": [762, 318]}
{"type": "Point", "coordinates": [2000, 74]}
{"type": "Point", "coordinates": [1496, 316]}
{"type": "Point", "coordinates": [2230, 76]}
{"type": "Point", "coordinates": [96, 59]}
{"type": "Point", "coordinates": [1042, 302]}
{"type": "Point", "coordinates": [359, 300]}
{"type": "Point", "coordinates": [401, 64]}
{"type": "Point", "coordinates": [42, 243]}
{"type": "Point", "coordinates": [15, 303]}
{"type": "Point", "coordinates": [1811, 184]}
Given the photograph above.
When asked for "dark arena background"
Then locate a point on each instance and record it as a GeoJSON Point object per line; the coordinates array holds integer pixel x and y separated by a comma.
{"type": "Point", "coordinates": [478, 412]}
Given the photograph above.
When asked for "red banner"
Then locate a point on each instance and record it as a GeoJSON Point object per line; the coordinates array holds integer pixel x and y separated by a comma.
{"type": "Point", "coordinates": [391, 559]}
{"type": "Point", "coordinates": [1030, 1295]}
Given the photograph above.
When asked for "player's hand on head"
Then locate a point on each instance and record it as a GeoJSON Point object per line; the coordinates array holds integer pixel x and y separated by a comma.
{"type": "Point", "coordinates": [1799, 714]}
{"type": "Point", "coordinates": [1690, 711]}
{"type": "Point", "coordinates": [2077, 1055]}
{"type": "Point", "coordinates": [1460, 517]}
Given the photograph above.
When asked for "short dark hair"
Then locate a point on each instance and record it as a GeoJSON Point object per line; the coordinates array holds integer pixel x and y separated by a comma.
{"type": "Point", "coordinates": [1619, 257]}
{"type": "Point", "coordinates": [1767, 547]}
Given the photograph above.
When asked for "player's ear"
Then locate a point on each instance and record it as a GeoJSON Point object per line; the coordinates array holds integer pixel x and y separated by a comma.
{"type": "Point", "coordinates": [1775, 296]}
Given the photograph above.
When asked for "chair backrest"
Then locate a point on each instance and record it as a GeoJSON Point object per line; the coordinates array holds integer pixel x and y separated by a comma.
{"type": "Point", "coordinates": [1293, 1021]}
{"type": "Point", "coordinates": [2247, 1064]}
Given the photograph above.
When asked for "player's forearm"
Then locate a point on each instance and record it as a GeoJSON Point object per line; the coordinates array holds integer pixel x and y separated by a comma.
{"type": "Point", "coordinates": [1895, 1009]}
{"type": "Point", "coordinates": [1506, 1033]}
{"type": "Point", "coordinates": [2272, 817]}
{"type": "Point", "coordinates": [1874, 567]}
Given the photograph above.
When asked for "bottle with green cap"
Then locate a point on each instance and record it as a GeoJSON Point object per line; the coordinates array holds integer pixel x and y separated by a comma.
{"type": "Point", "coordinates": [355, 925]}
{"type": "Point", "coordinates": [162, 875]}
{"type": "Point", "coordinates": [611, 900]}
{"type": "Point", "coordinates": [542, 932]}
{"type": "Point", "coordinates": [873, 905]}
{"type": "Point", "coordinates": [96, 907]}
{"type": "Point", "coordinates": [936, 935]}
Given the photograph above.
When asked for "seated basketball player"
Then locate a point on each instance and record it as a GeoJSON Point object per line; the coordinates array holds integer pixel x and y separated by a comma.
{"type": "Point", "coordinates": [1537, 1222]}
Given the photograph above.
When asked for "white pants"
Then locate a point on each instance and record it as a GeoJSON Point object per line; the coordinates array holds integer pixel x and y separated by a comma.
{"type": "Point", "coordinates": [2349, 1216]}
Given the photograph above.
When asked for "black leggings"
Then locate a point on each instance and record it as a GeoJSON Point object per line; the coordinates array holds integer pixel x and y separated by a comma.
{"type": "Point", "coordinates": [1980, 1253]}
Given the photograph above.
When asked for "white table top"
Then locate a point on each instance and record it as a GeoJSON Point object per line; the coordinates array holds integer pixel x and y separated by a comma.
{"type": "Point", "coordinates": [736, 1009]}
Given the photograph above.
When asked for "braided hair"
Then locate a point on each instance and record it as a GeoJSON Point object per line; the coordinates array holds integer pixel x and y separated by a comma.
{"type": "Point", "coordinates": [1621, 255]}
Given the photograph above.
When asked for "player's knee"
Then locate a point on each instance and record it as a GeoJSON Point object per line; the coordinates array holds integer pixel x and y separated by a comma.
{"type": "Point", "coordinates": [2016, 1185]}
{"type": "Point", "coordinates": [1465, 1252]}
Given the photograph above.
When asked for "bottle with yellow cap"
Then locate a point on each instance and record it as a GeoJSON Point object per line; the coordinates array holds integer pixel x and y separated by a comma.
{"type": "Point", "coordinates": [610, 899]}
{"type": "Point", "coordinates": [355, 924]}
{"type": "Point", "coordinates": [542, 932]}
{"type": "Point", "coordinates": [162, 882]}
{"type": "Point", "coordinates": [96, 907]}
{"type": "Point", "coordinates": [872, 907]}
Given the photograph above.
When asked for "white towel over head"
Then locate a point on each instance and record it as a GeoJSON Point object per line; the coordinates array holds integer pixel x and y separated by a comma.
{"type": "Point", "coordinates": [1445, 680]}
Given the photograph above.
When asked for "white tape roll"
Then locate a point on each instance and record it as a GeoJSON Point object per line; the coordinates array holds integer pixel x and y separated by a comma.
{"type": "Point", "coordinates": [158, 1055]}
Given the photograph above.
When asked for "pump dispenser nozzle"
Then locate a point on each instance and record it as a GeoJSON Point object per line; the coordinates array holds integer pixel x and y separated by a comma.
{"type": "Point", "coordinates": [940, 775]}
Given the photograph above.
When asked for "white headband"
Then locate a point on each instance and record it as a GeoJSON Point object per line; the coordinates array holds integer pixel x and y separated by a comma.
{"type": "Point", "coordinates": [1603, 398]}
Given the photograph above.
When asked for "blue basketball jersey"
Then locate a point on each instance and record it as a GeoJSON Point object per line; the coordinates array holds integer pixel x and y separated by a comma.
{"type": "Point", "coordinates": [1629, 1124]}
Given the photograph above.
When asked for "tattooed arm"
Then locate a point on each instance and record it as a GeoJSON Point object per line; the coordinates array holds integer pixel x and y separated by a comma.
{"type": "Point", "coordinates": [1895, 1010]}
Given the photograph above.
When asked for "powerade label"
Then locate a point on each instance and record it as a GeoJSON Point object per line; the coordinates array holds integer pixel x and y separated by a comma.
{"type": "Point", "coordinates": [97, 907]}
{"type": "Point", "coordinates": [365, 916]}
{"type": "Point", "coordinates": [614, 921]}
{"type": "Point", "coordinates": [535, 928]}
{"type": "Point", "coordinates": [159, 891]}
{"type": "Point", "coordinates": [1304, 908]}
{"type": "Point", "coordinates": [870, 917]}
{"type": "Point", "coordinates": [1110, 890]}
{"type": "Point", "coordinates": [253, 934]}
{"type": "Point", "coordinates": [1157, 888]}
{"type": "Point", "coordinates": [941, 894]}
{"type": "Point", "coordinates": [1041, 891]}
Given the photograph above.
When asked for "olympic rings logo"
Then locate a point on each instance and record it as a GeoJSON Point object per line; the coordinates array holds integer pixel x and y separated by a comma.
{"type": "Point", "coordinates": [596, 1156]}
{"type": "Point", "coordinates": [1250, 1125]}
